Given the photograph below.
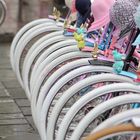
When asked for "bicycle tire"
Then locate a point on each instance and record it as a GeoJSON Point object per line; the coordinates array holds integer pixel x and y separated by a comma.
{"type": "Point", "coordinates": [73, 90]}
{"type": "Point", "coordinates": [116, 101]}
{"type": "Point", "coordinates": [64, 69]}
{"type": "Point", "coordinates": [20, 33]}
{"type": "Point", "coordinates": [30, 59]}
{"type": "Point", "coordinates": [52, 57]}
{"type": "Point", "coordinates": [92, 95]}
{"type": "Point", "coordinates": [22, 44]}
{"type": "Point", "coordinates": [118, 119]}
{"type": "Point", "coordinates": [47, 93]}
{"type": "Point", "coordinates": [48, 60]}
{"type": "Point", "coordinates": [49, 51]}
{"type": "Point", "coordinates": [26, 38]}
{"type": "Point", "coordinates": [55, 63]}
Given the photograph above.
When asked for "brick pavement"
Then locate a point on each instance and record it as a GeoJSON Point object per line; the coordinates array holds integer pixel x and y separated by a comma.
{"type": "Point", "coordinates": [15, 113]}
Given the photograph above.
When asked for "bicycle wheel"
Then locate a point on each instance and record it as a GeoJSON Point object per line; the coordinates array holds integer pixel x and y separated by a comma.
{"type": "Point", "coordinates": [54, 65]}
{"type": "Point", "coordinates": [87, 62]}
{"type": "Point", "coordinates": [73, 94]}
{"type": "Point", "coordinates": [101, 108]}
{"type": "Point", "coordinates": [114, 132]}
{"type": "Point", "coordinates": [48, 60]}
{"type": "Point", "coordinates": [52, 57]}
{"type": "Point", "coordinates": [64, 69]}
{"type": "Point", "coordinates": [91, 97]}
{"type": "Point", "coordinates": [118, 119]}
{"type": "Point", "coordinates": [21, 32]}
{"type": "Point", "coordinates": [49, 95]}
{"type": "Point", "coordinates": [74, 91]}
{"type": "Point", "coordinates": [31, 60]}
{"type": "Point", "coordinates": [37, 66]}
{"type": "Point", "coordinates": [27, 37]}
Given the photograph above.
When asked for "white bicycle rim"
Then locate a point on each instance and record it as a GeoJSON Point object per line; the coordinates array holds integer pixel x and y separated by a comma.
{"type": "Point", "coordinates": [59, 60]}
{"type": "Point", "coordinates": [43, 116]}
{"type": "Point", "coordinates": [121, 100]}
{"type": "Point", "coordinates": [51, 90]}
{"type": "Point", "coordinates": [55, 63]}
{"type": "Point", "coordinates": [62, 70]}
{"type": "Point", "coordinates": [25, 39]}
{"type": "Point", "coordinates": [52, 57]}
{"type": "Point", "coordinates": [48, 60]}
{"type": "Point", "coordinates": [3, 9]}
{"type": "Point", "coordinates": [118, 119]}
{"type": "Point", "coordinates": [20, 34]}
{"type": "Point", "coordinates": [89, 97]}
{"type": "Point", "coordinates": [74, 89]}
{"type": "Point", "coordinates": [29, 60]}
{"type": "Point", "coordinates": [50, 50]}
{"type": "Point", "coordinates": [36, 47]}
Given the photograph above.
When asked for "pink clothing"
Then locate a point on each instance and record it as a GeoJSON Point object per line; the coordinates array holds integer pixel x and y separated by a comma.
{"type": "Point", "coordinates": [100, 10]}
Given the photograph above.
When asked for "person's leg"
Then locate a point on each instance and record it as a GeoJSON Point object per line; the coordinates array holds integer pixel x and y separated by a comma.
{"type": "Point", "coordinates": [79, 20]}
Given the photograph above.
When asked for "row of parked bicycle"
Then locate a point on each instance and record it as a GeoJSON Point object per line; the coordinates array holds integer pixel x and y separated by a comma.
{"type": "Point", "coordinates": [81, 85]}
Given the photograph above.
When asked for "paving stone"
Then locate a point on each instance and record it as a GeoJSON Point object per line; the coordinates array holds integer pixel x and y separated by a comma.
{"type": "Point", "coordinates": [23, 137]}
{"type": "Point", "coordinates": [11, 83]}
{"type": "Point", "coordinates": [7, 74]}
{"type": "Point", "coordinates": [11, 116]}
{"type": "Point", "coordinates": [31, 122]}
{"type": "Point", "coordinates": [6, 130]}
{"type": "Point", "coordinates": [5, 63]}
{"type": "Point", "coordinates": [4, 50]}
{"type": "Point", "coordinates": [5, 66]}
{"type": "Point", "coordinates": [13, 122]}
{"type": "Point", "coordinates": [5, 60]}
{"type": "Point", "coordinates": [26, 111]}
{"type": "Point", "coordinates": [4, 93]}
{"type": "Point", "coordinates": [17, 93]}
{"type": "Point", "coordinates": [8, 106]}
{"type": "Point", "coordinates": [1, 85]}
{"type": "Point", "coordinates": [23, 102]}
